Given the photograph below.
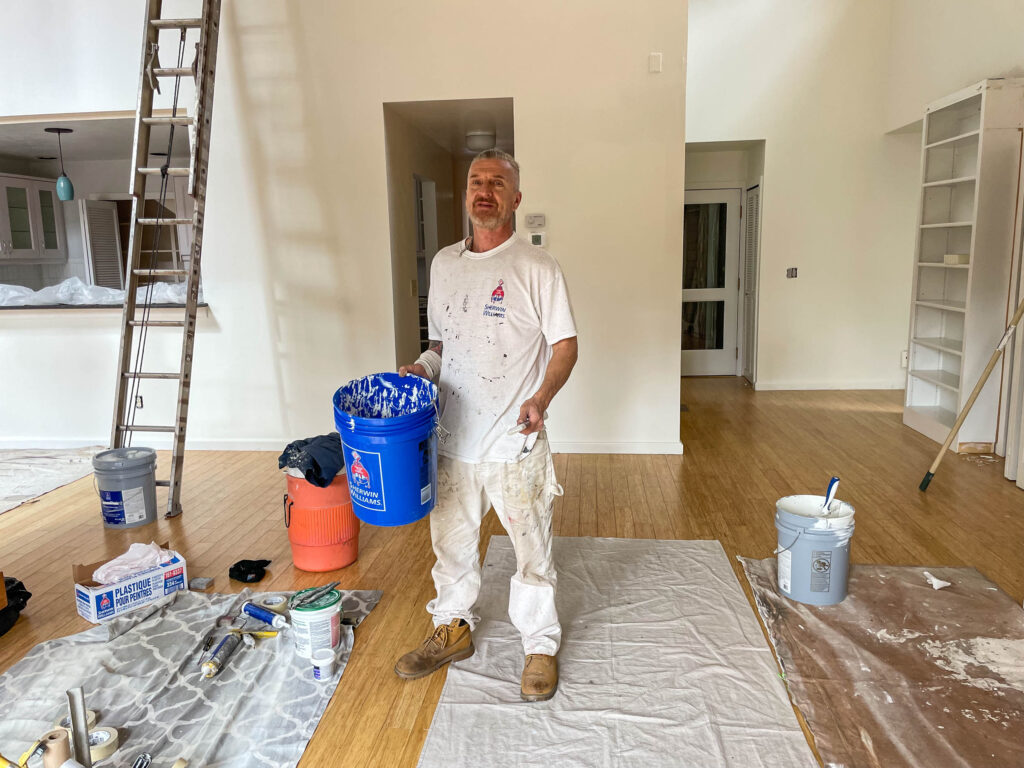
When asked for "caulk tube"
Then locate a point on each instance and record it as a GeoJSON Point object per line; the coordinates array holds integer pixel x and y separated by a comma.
{"type": "Point", "coordinates": [220, 655]}
{"type": "Point", "coordinates": [275, 620]}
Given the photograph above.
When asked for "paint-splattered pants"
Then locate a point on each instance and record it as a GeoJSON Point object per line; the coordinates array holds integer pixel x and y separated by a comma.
{"type": "Point", "coordinates": [522, 495]}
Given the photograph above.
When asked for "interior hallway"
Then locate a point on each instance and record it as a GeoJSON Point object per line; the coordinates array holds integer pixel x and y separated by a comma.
{"type": "Point", "coordinates": [744, 449]}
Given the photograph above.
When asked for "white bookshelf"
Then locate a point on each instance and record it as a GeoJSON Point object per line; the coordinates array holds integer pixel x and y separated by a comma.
{"type": "Point", "coordinates": [970, 159]}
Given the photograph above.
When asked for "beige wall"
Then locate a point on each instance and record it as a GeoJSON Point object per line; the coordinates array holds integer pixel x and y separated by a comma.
{"type": "Point", "coordinates": [409, 152]}
{"type": "Point", "coordinates": [839, 195]}
{"type": "Point", "coordinates": [297, 265]}
{"type": "Point", "coordinates": [937, 47]}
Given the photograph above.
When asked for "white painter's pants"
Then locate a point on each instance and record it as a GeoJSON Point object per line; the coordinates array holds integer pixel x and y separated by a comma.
{"type": "Point", "coordinates": [522, 495]}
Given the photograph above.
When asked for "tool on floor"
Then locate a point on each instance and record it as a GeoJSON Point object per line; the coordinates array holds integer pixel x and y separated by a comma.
{"type": "Point", "coordinates": [79, 726]}
{"type": "Point", "coordinates": [130, 372]}
{"type": "Point", "coordinates": [265, 615]}
{"type": "Point", "coordinates": [996, 354]}
{"type": "Point", "coordinates": [220, 655]}
{"type": "Point", "coordinates": [308, 596]}
{"type": "Point", "coordinates": [143, 761]}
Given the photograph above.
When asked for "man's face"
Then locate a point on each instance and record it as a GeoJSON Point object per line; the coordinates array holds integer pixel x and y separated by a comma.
{"type": "Point", "coordinates": [491, 194]}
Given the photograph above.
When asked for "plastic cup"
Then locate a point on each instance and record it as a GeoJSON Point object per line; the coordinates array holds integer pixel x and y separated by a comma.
{"type": "Point", "coordinates": [324, 664]}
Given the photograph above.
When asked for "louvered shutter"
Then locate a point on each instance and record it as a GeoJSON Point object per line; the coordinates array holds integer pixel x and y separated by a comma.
{"type": "Point", "coordinates": [102, 244]}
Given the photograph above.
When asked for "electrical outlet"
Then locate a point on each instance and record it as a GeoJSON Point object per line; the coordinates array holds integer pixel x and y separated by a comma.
{"type": "Point", "coordinates": [904, 359]}
{"type": "Point", "coordinates": [791, 272]}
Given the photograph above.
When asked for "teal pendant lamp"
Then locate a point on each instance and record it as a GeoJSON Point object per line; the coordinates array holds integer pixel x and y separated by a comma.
{"type": "Point", "coordinates": [65, 189]}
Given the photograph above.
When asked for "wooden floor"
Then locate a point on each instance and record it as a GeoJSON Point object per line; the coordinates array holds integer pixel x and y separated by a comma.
{"type": "Point", "coordinates": [743, 451]}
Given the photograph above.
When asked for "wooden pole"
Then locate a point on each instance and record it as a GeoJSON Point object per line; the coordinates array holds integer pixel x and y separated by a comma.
{"type": "Point", "coordinates": [996, 354]}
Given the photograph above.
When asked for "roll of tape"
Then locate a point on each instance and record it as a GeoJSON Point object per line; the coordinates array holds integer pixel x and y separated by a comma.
{"type": "Point", "coordinates": [58, 748]}
{"type": "Point", "coordinates": [275, 603]}
{"type": "Point", "coordinates": [103, 743]}
{"type": "Point", "coordinates": [65, 722]}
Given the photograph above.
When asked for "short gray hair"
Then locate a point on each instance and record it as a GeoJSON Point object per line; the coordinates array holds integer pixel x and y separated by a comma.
{"type": "Point", "coordinates": [498, 154]}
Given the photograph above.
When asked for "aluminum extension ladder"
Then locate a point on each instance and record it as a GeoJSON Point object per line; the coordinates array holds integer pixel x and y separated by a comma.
{"type": "Point", "coordinates": [136, 322]}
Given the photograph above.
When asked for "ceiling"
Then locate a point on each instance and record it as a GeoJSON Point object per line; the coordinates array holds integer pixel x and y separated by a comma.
{"type": "Point", "coordinates": [96, 139]}
{"type": "Point", "coordinates": [447, 122]}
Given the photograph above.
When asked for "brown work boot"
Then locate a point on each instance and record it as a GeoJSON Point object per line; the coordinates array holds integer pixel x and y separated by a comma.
{"type": "Point", "coordinates": [450, 642]}
{"type": "Point", "coordinates": [540, 677]}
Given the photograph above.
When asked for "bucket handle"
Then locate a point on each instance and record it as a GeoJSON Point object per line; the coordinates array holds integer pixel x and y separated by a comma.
{"type": "Point", "coordinates": [287, 504]}
{"type": "Point", "coordinates": [780, 551]}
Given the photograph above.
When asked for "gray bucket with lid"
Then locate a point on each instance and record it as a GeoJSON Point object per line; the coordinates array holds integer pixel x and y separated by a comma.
{"type": "Point", "coordinates": [814, 548]}
{"type": "Point", "coordinates": [126, 483]}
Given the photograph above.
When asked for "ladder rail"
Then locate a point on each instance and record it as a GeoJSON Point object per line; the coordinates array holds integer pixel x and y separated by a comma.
{"type": "Point", "coordinates": [199, 137]}
{"type": "Point", "coordinates": [198, 124]}
{"type": "Point", "coordinates": [140, 154]}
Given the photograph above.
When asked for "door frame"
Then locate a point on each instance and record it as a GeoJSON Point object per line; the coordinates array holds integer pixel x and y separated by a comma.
{"type": "Point", "coordinates": [740, 189]}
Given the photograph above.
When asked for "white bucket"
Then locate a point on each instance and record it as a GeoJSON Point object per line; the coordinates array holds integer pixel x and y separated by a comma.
{"type": "Point", "coordinates": [814, 548]}
{"type": "Point", "coordinates": [317, 626]}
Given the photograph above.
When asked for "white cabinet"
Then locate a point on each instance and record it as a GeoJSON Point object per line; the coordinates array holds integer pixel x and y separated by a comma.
{"type": "Point", "coordinates": [31, 222]}
{"type": "Point", "coordinates": [970, 156]}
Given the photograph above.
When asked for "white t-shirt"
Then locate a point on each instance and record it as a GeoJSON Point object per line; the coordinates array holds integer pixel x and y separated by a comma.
{"type": "Point", "coordinates": [497, 313]}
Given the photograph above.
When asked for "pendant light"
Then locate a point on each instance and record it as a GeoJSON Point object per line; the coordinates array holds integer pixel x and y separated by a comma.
{"type": "Point", "coordinates": [65, 189]}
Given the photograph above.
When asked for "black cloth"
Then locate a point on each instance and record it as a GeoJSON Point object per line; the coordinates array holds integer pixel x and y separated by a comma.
{"type": "Point", "coordinates": [318, 458]}
{"type": "Point", "coordinates": [248, 570]}
{"type": "Point", "coordinates": [17, 597]}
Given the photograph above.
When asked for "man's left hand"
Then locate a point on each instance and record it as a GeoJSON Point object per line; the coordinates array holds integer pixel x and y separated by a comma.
{"type": "Point", "coordinates": [532, 413]}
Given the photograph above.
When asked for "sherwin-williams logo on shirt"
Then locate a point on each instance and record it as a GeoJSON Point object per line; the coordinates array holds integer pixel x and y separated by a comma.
{"type": "Point", "coordinates": [495, 308]}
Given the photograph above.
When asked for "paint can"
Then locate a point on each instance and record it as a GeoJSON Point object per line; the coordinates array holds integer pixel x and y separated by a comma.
{"type": "Point", "coordinates": [316, 626]}
{"type": "Point", "coordinates": [813, 548]}
{"type": "Point", "coordinates": [388, 428]}
{"type": "Point", "coordinates": [126, 482]}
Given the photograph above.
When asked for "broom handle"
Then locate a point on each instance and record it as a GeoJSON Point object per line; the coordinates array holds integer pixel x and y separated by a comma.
{"type": "Point", "coordinates": [996, 354]}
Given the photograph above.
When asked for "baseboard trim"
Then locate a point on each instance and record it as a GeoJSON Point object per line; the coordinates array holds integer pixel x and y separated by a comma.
{"type": "Point", "coordinates": [668, 448]}
{"type": "Point", "coordinates": [765, 385]}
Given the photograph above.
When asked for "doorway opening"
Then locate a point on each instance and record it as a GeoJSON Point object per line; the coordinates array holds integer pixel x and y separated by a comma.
{"type": "Point", "coordinates": [429, 146]}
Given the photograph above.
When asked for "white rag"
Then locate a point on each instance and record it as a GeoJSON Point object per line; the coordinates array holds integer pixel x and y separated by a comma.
{"type": "Point", "coordinates": [138, 558]}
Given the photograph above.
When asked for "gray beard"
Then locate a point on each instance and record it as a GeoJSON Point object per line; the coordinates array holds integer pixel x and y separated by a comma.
{"type": "Point", "coordinates": [487, 222]}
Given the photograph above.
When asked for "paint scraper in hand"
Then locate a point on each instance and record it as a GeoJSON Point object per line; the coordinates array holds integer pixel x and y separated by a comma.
{"type": "Point", "coordinates": [522, 425]}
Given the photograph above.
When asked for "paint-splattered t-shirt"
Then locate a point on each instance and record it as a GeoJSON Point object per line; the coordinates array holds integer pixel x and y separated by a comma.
{"type": "Point", "coordinates": [498, 313]}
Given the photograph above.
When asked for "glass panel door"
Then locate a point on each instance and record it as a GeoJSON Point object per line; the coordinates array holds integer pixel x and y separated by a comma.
{"type": "Point", "coordinates": [710, 291]}
{"type": "Point", "coordinates": [49, 220]}
{"type": "Point", "coordinates": [17, 232]}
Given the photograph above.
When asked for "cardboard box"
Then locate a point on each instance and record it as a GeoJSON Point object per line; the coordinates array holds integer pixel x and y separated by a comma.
{"type": "Point", "coordinates": [98, 603]}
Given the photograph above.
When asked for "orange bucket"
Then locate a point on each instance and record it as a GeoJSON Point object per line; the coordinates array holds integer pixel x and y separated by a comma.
{"type": "Point", "coordinates": [322, 528]}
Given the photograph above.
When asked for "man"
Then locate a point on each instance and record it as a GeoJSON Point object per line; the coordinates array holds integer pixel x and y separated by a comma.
{"type": "Point", "coordinates": [503, 344]}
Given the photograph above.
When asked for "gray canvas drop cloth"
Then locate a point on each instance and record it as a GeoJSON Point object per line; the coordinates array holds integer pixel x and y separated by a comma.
{"type": "Point", "coordinates": [140, 673]}
{"type": "Point", "coordinates": [26, 474]}
{"type": "Point", "coordinates": [900, 675]}
{"type": "Point", "coordinates": [662, 664]}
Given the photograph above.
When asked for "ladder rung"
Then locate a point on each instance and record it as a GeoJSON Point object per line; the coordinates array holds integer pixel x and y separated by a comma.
{"type": "Point", "coordinates": [170, 171]}
{"type": "Point", "coordinates": [161, 272]}
{"type": "Point", "coordinates": [155, 222]}
{"type": "Point", "coordinates": [137, 428]}
{"type": "Point", "coordinates": [176, 23]}
{"type": "Point", "coordinates": [143, 375]}
{"type": "Point", "coordinates": [172, 71]}
{"type": "Point", "coordinates": [159, 323]}
{"type": "Point", "coordinates": [168, 120]}
{"type": "Point", "coordinates": [162, 483]}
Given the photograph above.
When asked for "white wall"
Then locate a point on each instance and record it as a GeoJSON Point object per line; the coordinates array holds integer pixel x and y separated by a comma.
{"type": "Point", "coordinates": [940, 46]}
{"type": "Point", "coordinates": [839, 198]}
{"type": "Point", "coordinates": [296, 255]}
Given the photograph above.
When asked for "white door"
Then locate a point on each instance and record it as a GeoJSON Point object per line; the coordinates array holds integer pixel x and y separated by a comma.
{"type": "Point", "coordinates": [751, 250]}
{"type": "Point", "coordinates": [711, 285]}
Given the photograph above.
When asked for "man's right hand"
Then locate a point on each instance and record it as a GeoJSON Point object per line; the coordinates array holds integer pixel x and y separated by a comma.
{"type": "Point", "coordinates": [415, 368]}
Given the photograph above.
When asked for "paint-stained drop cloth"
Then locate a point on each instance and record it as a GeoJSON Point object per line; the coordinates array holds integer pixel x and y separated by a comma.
{"type": "Point", "coordinates": [662, 664]}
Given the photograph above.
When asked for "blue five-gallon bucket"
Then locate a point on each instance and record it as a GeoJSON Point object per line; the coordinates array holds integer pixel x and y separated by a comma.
{"type": "Point", "coordinates": [388, 433]}
{"type": "Point", "coordinates": [814, 548]}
